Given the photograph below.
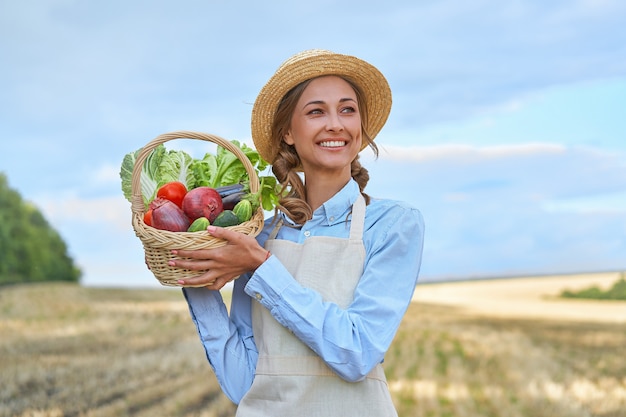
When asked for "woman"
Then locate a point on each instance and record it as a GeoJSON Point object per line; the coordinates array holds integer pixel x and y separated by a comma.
{"type": "Point", "coordinates": [322, 290]}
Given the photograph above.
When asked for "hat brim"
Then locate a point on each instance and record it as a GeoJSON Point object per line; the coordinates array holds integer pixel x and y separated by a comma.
{"type": "Point", "coordinates": [311, 64]}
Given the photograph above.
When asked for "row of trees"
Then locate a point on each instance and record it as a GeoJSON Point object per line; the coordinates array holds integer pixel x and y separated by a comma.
{"type": "Point", "coordinates": [616, 292]}
{"type": "Point", "coordinates": [30, 249]}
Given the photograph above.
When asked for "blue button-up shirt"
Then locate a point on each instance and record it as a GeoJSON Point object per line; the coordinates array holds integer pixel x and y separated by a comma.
{"type": "Point", "coordinates": [351, 341]}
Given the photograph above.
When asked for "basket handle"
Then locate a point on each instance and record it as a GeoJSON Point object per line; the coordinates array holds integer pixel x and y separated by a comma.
{"type": "Point", "coordinates": [137, 204]}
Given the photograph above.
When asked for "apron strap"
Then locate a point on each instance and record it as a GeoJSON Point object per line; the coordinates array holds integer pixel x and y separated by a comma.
{"type": "Point", "coordinates": [275, 230]}
{"type": "Point", "coordinates": [358, 218]}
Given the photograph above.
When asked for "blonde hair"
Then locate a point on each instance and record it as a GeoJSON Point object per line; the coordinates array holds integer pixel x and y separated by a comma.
{"type": "Point", "coordinates": [287, 166]}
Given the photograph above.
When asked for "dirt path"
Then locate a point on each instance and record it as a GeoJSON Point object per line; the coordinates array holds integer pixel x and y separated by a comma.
{"type": "Point", "coordinates": [531, 297]}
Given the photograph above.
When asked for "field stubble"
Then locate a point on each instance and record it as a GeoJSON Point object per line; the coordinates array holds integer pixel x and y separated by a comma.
{"type": "Point", "coordinates": [73, 351]}
{"type": "Point", "coordinates": [444, 362]}
{"type": "Point", "coordinates": [67, 350]}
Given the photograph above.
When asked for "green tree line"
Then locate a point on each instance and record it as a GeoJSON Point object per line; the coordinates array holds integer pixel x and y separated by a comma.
{"type": "Point", "coordinates": [30, 249]}
{"type": "Point", "coordinates": [616, 292]}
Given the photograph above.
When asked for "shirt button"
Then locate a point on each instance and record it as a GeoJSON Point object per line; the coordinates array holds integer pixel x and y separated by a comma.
{"type": "Point", "coordinates": [332, 218]}
{"type": "Point", "coordinates": [307, 233]}
{"type": "Point", "coordinates": [258, 296]}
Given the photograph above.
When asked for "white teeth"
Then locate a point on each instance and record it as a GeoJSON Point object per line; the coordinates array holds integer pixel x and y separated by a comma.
{"type": "Point", "coordinates": [333, 143]}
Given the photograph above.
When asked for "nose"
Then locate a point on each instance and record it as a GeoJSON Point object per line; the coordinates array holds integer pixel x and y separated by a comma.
{"type": "Point", "coordinates": [333, 122]}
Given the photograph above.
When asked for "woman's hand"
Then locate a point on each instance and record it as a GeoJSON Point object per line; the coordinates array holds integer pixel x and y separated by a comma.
{"type": "Point", "coordinates": [241, 254]}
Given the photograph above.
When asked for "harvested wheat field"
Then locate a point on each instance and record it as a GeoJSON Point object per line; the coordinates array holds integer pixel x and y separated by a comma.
{"type": "Point", "coordinates": [479, 348]}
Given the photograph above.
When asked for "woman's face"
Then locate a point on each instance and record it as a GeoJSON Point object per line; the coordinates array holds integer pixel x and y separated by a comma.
{"type": "Point", "coordinates": [325, 127]}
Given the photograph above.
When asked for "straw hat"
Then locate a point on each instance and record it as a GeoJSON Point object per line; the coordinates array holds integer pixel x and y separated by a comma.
{"type": "Point", "coordinates": [310, 64]}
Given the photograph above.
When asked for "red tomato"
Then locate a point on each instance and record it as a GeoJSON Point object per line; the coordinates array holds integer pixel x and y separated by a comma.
{"type": "Point", "coordinates": [174, 191]}
{"type": "Point", "coordinates": [147, 218]}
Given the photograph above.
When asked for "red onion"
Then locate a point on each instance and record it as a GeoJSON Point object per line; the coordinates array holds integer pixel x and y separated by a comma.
{"type": "Point", "coordinates": [168, 216]}
{"type": "Point", "coordinates": [203, 202]}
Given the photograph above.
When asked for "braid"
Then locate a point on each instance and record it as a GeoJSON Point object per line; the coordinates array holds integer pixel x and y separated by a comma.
{"type": "Point", "coordinates": [293, 203]}
{"type": "Point", "coordinates": [361, 176]}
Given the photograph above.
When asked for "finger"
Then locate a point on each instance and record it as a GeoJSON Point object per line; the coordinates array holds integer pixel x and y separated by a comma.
{"type": "Point", "coordinates": [204, 280]}
{"type": "Point", "coordinates": [217, 284]}
{"type": "Point", "coordinates": [221, 282]}
{"type": "Point", "coordinates": [193, 264]}
{"type": "Point", "coordinates": [223, 233]}
{"type": "Point", "coordinates": [192, 254]}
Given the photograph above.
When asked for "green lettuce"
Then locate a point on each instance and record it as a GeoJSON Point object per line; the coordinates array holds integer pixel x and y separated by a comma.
{"type": "Point", "coordinates": [176, 166]}
{"type": "Point", "coordinates": [268, 194]}
{"type": "Point", "coordinates": [149, 179]}
{"type": "Point", "coordinates": [223, 168]}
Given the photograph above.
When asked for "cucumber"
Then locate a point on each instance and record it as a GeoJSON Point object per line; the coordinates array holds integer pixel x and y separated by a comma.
{"type": "Point", "coordinates": [199, 225]}
{"type": "Point", "coordinates": [243, 210]}
{"type": "Point", "coordinates": [226, 218]}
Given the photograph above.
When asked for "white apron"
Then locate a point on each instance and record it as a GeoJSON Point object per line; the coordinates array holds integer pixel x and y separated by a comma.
{"type": "Point", "coordinates": [290, 379]}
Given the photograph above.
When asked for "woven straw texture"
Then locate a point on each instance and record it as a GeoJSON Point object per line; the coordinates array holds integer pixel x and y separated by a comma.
{"type": "Point", "coordinates": [158, 244]}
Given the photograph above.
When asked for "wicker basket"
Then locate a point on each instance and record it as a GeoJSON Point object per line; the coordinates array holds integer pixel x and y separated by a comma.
{"type": "Point", "coordinates": [158, 244]}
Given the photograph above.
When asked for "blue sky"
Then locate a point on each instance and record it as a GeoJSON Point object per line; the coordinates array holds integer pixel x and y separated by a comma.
{"type": "Point", "coordinates": [508, 128]}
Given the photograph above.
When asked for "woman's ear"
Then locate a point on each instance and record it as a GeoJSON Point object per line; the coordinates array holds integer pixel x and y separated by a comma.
{"type": "Point", "coordinates": [288, 138]}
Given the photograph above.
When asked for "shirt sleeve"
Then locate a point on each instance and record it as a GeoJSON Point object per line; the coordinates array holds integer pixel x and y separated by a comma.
{"type": "Point", "coordinates": [228, 341]}
{"type": "Point", "coordinates": [351, 341]}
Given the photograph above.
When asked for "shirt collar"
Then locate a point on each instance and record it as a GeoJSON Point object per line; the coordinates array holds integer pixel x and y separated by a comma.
{"type": "Point", "coordinates": [336, 209]}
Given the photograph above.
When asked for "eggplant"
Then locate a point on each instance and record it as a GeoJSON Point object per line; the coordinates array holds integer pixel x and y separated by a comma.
{"type": "Point", "coordinates": [231, 200]}
{"type": "Point", "coordinates": [226, 190]}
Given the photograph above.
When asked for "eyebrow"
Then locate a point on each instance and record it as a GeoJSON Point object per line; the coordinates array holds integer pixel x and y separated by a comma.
{"type": "Point", "coordinates": [343, 100]}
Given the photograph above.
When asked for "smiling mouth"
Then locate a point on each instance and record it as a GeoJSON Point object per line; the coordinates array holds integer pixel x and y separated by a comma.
{"type": "Point", "coordinates": [333, 144]}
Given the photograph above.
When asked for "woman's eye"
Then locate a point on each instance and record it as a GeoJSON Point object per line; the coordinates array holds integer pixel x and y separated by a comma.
{"type": "Point", "coordinates": [348, 110]}
{"type": "Point", "coordinates": [315, 111]}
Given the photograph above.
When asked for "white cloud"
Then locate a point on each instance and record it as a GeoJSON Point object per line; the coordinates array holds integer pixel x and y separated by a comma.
{"type": "Point", "coordinates": [107, 174]}
{"type": "Point", "coordinates": [542, 169]}
{"type": "Point", "coordinates": [466, 152]}
{"type": "Point", "coordinates": [70, 209]}
{"type": "Point", "coordinates": [607, 203]}
{"type": "Point", "coordinates": [593, 9]}
{"type": "Point", "coordinates": [518, 209]}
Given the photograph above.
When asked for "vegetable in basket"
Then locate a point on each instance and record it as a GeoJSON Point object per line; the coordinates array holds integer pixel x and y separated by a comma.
{"type": "Point", "coordinates": [199, 225]}
{"type": "Point", "coordinates": [160, 167]}
{"type": "Point", "coordinates": [243, 210]}
{"type": "Point", "coordinates": [218, 171]}
{"type": "Point", "coordinates": [168, 216]}
{"type": "Point", "coordinates": [224, 168]}
{"type": "Point", "coordinates": [226, 218]}
{"type": "Point", "coordinates": [231, 195]}
{"type": "Point", "coordinates": [174, 191]}
{"type": "Point", "coordinates": [203, 202]}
